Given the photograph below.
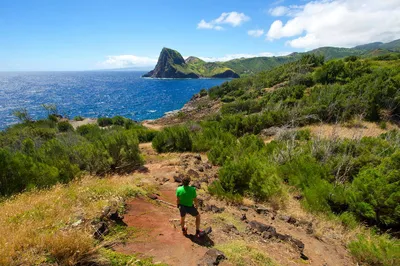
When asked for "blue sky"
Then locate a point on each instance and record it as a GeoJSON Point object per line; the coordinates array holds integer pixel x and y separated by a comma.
{"type": "Point", "coordinates": [88, 34]}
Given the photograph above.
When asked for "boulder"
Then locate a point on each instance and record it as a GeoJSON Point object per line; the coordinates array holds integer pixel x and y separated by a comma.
{"type": "Point", "coordinates": [244, 208]}
{"type": "Point", "coordinates": [212, 257]}
{"type": "Point", "coordinates": [230, 228]}
{"type": "Point", "coordinates": [111, 211]}
{"type": "Point", "coordinates": [100, 230]}
{"type": "Point", "coordinates": [260, 227]}
{"type": "Point", "coordinates": [207, 166]}
{"type": "Point", "coordinates": [288, 219]}
{"type": "Point", "coordinates": [178, 178]}
{"type": "Point", "coordinates": [193, 173]}
{"type": "Point", "coordinates": [262, 210]}
{"type": "Point", "coordinates": [197, 157]}
{"type": "Point", "coordinates": [152, 196]}
{"type": "Point", "coordinates": [213, 208]}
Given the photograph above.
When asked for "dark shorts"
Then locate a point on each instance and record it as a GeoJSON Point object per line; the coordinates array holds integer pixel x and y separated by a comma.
{"type": "Point", "coordinates": [185, 209]}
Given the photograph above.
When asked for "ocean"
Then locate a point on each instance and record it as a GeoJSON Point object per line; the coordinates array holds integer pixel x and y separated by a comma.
{"type": "Point", "coordinates": [94, 94]}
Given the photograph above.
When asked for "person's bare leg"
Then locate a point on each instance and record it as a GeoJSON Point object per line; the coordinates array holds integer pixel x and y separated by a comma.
{"type": "Point", "coordinates": [183, 222]}
{"type": "Point", "coordinates": [198, 222]}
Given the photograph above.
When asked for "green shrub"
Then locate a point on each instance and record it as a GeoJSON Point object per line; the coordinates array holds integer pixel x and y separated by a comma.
{"type": "Point", "coordinates": [89, 129]}
{"type": "Point", "coordinates": [123, 149]}
{"type": "Point", "coordinates": [79, 118]}
{"type": "Point", "coordinates": [375, 193]}
{"type": "Point", "coordinates": [104, 121]}
{"type": "Point", "coordinates": [376, 250]}
{"type": "Point", "coordinates": [53, 118]}
{"type": "Point", "coordinates": [176, 138]}
{"type": "Point", "coordinates": [118, 120]}
{"type": "Point", "coordinates": [349, 220]}
{"type": "Point", "coordinates": [203, 92]}
{"type": "Point", "coordinates": [64, 126]}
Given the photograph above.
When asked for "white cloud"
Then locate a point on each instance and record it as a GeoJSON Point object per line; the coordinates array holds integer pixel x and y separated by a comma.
{"type": "Point", "coordinates": [255, 33]}
{"type": "Point", "coordinates": [233, 19]}
{"type": "Point", "coordinates": [236, 56]}
{"type": "Point", "coordinates": [279, 11]}
{"type": "Point", "coordinates": [343, 23]}
{"type": "Point", "coordinates": [122, 61]}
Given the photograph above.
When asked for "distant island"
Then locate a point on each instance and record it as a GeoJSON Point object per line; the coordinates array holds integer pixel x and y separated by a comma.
{"type": "Point", "coordinates": [171, 63]}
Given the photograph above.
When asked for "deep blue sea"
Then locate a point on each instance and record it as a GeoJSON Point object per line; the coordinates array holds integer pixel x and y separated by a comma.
{"type": "Point", "coordinates": [94, 94]}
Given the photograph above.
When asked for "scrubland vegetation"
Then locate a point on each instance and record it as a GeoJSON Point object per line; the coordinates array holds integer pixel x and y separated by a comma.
{"type": "Point", "coordinates": [39, 154]}
{"type": "Point", "coordinates": [355, 180]}
{"type": "Point", "coordinates": [352, 181]}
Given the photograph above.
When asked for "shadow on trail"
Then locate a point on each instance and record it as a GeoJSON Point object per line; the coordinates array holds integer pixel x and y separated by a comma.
{"type": "Point", "coordinates": [204, 241]}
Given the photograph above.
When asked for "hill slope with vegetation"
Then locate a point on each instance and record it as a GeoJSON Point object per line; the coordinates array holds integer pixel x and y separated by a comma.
{"type": "Point", "coordinates": [257, 149]}
{"type": "Point", "coordinates": [171, 64]}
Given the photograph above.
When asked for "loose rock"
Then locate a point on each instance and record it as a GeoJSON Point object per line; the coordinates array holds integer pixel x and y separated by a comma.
{"type": "Point", "coordinates": [178, 178]}
{"type": "Point", "coordinates": [212, 257]}
{"type": "Point", "coordinates": [213, 209]}
{"type": "Point", "coordinates": [193, 173]}
{"type": "Point", "coordinates": [262, 210]}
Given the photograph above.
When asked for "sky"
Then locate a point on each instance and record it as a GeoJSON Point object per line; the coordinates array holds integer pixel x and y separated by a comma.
{"type": "Point", "coordinates": [59, 35]}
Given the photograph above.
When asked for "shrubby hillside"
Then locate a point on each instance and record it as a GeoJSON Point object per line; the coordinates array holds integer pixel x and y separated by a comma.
{"type": "Point", "coordinates": [39, 154]}
{"type": "Point", "coordinates": [355, 180]}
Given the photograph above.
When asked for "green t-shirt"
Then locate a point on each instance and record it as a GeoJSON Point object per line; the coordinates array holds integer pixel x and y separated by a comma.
{"type": "Point", "coordinates": [186, 195]}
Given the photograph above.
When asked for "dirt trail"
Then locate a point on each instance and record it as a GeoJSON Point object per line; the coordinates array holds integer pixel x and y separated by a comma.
{"type": "Point", "coordinates": [158, 234]}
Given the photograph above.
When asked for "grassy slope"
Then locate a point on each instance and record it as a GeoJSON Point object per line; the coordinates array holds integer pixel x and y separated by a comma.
{"type": "Point", "coordinates": [36, 227]}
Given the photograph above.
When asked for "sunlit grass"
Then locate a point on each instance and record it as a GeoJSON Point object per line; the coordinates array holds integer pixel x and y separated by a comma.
{"type": "Point", "coordinates": [35, 227]}
{"type": "Point", "coordinates": [241, 253]}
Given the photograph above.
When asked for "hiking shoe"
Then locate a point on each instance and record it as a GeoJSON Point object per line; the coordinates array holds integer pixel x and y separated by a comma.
{"type": "Point", "coordinates": [184, 230]}
{"type": "Point", "coordinates": [200, 233]}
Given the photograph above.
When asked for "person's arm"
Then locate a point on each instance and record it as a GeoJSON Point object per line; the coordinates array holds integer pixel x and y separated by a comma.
{"type": "Point", "coordinates": [195, 199]}
{"type": "Point", "coordinates": [177, 202]}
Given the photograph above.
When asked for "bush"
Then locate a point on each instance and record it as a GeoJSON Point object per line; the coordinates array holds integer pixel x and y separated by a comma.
{"type": "Point", "coordinates": [376, 250]}
{"type": "Point", "coordinates": [118, 120]}
{"type": "Point", "coordinates": [123, 149]}
{"type": "Point", "coordinates": [176, 138]}
{"type": "Point", "coordinates": [79, 118]}
{"type": "Point", "coordinates": [203, 92]}
{"type": "Point", "coordinates": [64, 126]}
{"type": "Point", "coordinates": [375, 193]}
{"type": "Point", "coordinates": [104, 121]}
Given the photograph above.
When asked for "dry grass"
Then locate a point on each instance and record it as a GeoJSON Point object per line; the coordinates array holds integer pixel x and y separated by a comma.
{"type": "Point", "coordinates": [35, 227]}
{"type": "Point", "coordinates": [241, 253]}
{"type": "Point", "coordinates": [360, 129]}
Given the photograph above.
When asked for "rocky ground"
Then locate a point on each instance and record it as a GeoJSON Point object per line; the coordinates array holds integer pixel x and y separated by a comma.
{"type": "Point", "coordinates": [198, 108]}
{"type": "Point", "coordinates": [248, 234]}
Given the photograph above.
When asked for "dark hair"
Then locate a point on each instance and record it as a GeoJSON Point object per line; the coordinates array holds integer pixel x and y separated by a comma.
{"type": "Point", "coordinates": [186, 180]}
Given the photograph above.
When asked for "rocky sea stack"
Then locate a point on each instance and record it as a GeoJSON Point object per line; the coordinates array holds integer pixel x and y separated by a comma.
{"type": "Point", "coordinates": [171, 64]}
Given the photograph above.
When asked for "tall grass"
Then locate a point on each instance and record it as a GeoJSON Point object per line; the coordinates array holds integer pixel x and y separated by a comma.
{"type": "Point", "coordinates": [35, 227]}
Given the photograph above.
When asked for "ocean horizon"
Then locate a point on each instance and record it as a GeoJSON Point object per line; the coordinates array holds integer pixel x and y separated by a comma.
{"type": "Point", "coordinates": [93, 94]}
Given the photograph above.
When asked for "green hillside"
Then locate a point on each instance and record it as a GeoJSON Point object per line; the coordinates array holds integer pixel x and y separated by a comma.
{"type": "Point", "coordinates": [171, 64]}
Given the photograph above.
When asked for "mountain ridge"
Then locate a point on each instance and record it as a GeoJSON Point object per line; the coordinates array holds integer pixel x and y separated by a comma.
{"type": "Point", "coordinates": [171, 63]}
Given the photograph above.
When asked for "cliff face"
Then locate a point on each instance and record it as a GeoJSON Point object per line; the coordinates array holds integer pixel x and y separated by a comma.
{"type": "Point", "coordinates": [171, 64]}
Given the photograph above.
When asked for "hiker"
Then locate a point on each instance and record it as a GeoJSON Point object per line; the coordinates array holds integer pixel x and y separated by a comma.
{"type": "Point", "coordinates": [185, 196]}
